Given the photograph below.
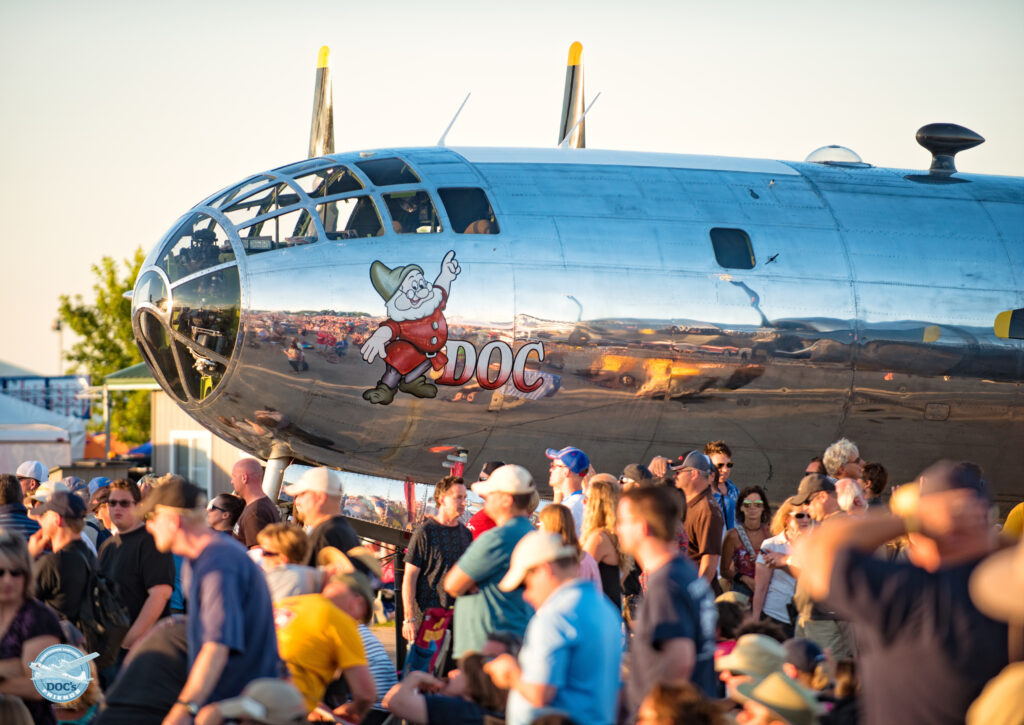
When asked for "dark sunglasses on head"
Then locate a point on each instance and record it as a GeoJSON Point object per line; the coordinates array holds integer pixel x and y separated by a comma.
{"type": "Point", "coordinates": [123, 504]}
{"type": "Point", "coordinates": [725, 465]}
{"type": "Point", "coordinates": [15, 573]}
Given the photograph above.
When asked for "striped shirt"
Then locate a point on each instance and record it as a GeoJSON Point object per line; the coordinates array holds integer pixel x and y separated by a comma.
{"type": "Point", "coordinates": [14, 516]}
{"type": "Point", "coordinates": [380, 664]}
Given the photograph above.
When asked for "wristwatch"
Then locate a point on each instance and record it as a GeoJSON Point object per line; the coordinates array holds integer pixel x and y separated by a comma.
{"type": "Point", "coordinates": [192, 707]}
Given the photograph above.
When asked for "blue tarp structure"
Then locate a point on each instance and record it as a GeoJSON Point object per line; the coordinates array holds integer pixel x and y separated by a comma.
{"type": "Point", "coordinates": [146, 449]}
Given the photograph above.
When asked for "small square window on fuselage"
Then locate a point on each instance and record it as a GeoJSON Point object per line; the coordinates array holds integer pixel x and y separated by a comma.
{"type": "Point", "coordinates": [469, 211]}
{"type": "Point", "coordinates": [732, 248]}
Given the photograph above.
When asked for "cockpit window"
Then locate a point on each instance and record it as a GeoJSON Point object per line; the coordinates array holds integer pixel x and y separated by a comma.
{"type": "Point", "coordinates": [206, 313]}
{"type": "Point", "coordinates": [328, 182]}
{"type": "Point", "coordinates": [151, 290]}
{"type": "Point", "coordinates": [732, 248]}
{"type": "Point", "coordinates": [278, 232]}
{"type": "Point", "coordinates": [237, 192]}
{"type": "Point", "coordinates": [469, 211]}
{"type": "Point", "coordinates": [387, 172]}
{"type": "Point", "coordinates": [302, 167]}
{"type": "Point", "coordinates": [350, 218]}
{"type": "Point", "coordinates": [157, 348]}
{"type": "Point", "coordinates": [412, 212]}
{"type": "Point", "coordinates": [262, 202]}
{"type": "Point", "coordinates": [199, 243]}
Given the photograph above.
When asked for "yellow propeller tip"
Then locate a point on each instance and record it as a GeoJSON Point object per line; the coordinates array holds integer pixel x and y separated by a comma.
{"type": "Point", "coordinates": [575, 53]}
{"type": "Point", "coordinates": [325, 53]}
{"type": "Point", "coordinates": [1002, 324]}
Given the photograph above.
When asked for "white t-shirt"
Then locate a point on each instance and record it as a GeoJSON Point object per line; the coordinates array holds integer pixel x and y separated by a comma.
{"type": "Point", "coordinates": [574, 502]}
{"type": "Point", "coordinates": [783, 585]}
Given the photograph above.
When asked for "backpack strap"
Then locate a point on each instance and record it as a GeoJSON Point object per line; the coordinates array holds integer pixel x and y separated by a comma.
{"type": "Point", "coordinates": [90, 571]}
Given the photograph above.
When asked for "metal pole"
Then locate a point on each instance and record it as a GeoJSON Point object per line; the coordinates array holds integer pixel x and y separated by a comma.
{"type": "Point", "coordinates": [273, 474]}
{"type": "Point", "coordinates": [399, 608]}
{"type": "Point", "coordinates": [106, 423]}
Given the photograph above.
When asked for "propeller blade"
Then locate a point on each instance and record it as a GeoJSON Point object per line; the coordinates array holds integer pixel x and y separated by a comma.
{"type": "Point", "coordinates": [321, 131]}
{"type": "Point", "coordinates": [572, 100]}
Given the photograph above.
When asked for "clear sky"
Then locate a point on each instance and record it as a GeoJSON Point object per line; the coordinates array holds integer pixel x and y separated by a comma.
{"type": "Point", "coordinates": [119, 116]}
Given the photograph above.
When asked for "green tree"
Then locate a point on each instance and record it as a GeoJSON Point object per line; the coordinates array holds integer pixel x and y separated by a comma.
{"type": "Point", "coordinates": [107, 344]}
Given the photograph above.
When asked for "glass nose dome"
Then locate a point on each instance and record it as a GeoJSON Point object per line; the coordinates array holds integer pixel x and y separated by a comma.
{"type": "Point", "coordinates": [186, 308]}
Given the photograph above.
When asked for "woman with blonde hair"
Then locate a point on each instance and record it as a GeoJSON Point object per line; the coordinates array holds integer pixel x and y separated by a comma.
{"type": "Point", "coordinates": [774, 584]}
{"type": "Point", "coordinates": [557, 519]}
{"type": "Point", "coordinates": [283, 549]}
{"type": "Point", "coordinates": [600, 541]}
{"type": "Point", "coordinates": [27, 626]}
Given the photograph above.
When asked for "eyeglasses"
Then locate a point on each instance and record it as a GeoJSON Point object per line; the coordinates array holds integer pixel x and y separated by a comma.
{"type": "Point", "coordinates": [800, 515]}
{"type": "Point", "coordinates": [211, 507]}
{"type": "Point", "coordinates": [753, 504]}
{"type": "Point", "coordinates": [15, 573]}
{"type": "Point", "coordinates": [123, 504]}
{"type": "Point", "coordinates": [730, 464]}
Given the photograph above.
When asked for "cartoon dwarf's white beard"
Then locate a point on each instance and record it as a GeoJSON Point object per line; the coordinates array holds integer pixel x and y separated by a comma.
{"type": "Point", "coordinates": [425, 308]}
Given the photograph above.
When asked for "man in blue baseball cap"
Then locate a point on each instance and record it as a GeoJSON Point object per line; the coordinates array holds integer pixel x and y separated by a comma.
{"type": "Point", "coordinates": [97, 483]}
{"type": "Point", "coordinates": [569, 467]}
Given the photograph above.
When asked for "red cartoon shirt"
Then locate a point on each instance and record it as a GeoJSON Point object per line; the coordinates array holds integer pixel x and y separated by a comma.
{"type": "Point", "coordinates": [414, 341]}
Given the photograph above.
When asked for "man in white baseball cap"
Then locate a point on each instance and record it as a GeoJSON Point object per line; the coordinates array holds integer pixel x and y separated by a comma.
{"type": "Point", "coordinates": [573, 647]}
{"type": "Point", "coordinates": [480, 606]}
{"type": "Point", "coordinates": [30, 474]}
{"type": "Point", "coordinates": [318, 495]}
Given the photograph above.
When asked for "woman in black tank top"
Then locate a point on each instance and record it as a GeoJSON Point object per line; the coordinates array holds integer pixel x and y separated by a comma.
{"type": "Point", "coordinates": [599, 538]}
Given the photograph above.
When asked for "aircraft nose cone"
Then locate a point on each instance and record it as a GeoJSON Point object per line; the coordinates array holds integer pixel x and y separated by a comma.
{"type": "Point", "coordinates": [186, 308]}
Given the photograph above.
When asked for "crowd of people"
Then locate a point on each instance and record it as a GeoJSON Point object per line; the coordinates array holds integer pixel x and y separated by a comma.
{"type": "Point", "coordinates": [666, 593]}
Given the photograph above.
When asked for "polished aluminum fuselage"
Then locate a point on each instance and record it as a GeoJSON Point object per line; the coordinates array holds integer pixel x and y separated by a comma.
{"type": "Point", "coordinates": [868, 314]}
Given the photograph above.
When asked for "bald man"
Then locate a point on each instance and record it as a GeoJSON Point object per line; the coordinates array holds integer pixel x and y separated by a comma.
{"type": "Point", "coordinates": [259, 511]}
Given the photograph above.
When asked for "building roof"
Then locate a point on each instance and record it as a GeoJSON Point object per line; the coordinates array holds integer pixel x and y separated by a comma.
{"type": "Point", "coordinates": [135, 377]}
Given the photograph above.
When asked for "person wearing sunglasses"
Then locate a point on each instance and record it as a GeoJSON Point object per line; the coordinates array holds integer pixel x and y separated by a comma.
{"type": "Point", "coordinates": [725, 491]}
{"type": "Point", "coordinates": [27, 626]}
{"type": "Point", "coordinates": [774, 583]}
{"type": "Point", "coordinates": [742, 543]}
{"type": "Point", "coordinates": [144, 576]}
{"type": "Point", "coordinates": [223, 511]}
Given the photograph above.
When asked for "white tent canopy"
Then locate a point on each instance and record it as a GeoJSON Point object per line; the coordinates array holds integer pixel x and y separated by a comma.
{"type": "Point", "coordinates": [17, 413]}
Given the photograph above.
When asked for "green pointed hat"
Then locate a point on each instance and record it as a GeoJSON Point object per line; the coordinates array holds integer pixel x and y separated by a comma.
{"type": "Point", "coordinates": [387, 281]}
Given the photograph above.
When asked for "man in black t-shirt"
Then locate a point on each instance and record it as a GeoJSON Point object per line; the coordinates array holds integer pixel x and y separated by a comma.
{"type": "Point", "coordinates": [318, 496]}
{"type": "Point", "coordinates": [259, 511]}
{"type": "Point", "coordinates": [925, 649]}
{"type": "Point", "coordinates": [145, 576]}
{"type": "Point", "coordinates": [62, 575]}
{"type": "Point", "coordinates": [674, 630]}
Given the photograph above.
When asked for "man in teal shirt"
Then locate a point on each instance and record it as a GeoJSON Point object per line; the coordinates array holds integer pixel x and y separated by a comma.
{"type": "Point", "coordinates": [480, 606]}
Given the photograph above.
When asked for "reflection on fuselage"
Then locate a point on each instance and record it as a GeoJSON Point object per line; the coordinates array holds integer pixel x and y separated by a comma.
{"type": "Point", "coordinates": [599, 317]}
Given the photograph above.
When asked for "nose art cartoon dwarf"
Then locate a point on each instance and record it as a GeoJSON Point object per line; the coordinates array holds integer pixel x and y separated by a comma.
{"type": "Point", "coordinates": [412, 339]}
